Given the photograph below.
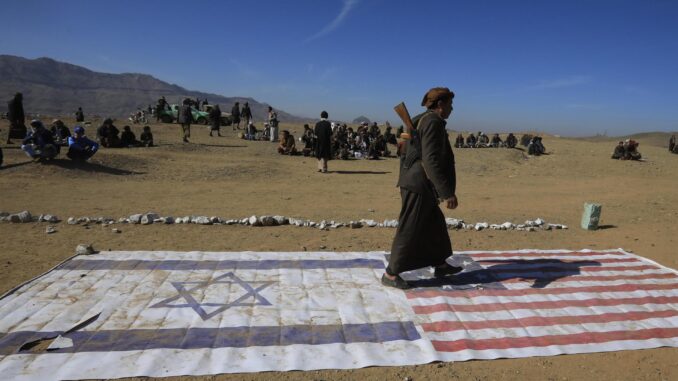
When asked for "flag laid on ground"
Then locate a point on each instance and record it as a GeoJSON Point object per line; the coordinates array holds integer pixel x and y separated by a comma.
{"type": "Point", "coordinates": [123, 314]}
{"type": "Point", "coordinates": [538, 303]}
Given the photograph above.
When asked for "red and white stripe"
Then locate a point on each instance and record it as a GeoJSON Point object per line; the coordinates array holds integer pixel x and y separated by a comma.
{"type": "Point", "coordinates": [611, 300]}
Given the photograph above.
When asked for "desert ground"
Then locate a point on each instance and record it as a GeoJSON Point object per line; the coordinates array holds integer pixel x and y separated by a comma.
{"type": "Point", "coordinates": [234, 178]}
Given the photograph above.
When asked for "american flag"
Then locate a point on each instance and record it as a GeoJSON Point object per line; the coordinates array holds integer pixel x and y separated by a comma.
{"type": "Point", "coordinates": [547, 302]}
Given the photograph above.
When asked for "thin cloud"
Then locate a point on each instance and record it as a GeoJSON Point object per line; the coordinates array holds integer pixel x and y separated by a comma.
{"type": "Point", "coordinates": [345, 10]}
{"type": "Point", "coordinates": [574, 80]}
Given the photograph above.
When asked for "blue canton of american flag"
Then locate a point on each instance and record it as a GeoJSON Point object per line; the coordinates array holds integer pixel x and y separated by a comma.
{"type": "Point", "coordinates": [547, 302]}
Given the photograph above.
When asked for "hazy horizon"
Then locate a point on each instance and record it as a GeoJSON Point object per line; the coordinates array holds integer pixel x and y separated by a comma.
{"type": "Point", "coordinates": [576, 68]}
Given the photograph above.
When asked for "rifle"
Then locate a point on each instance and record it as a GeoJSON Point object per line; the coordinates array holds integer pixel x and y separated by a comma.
{"type": "Point", "coordinates": [404, 115]}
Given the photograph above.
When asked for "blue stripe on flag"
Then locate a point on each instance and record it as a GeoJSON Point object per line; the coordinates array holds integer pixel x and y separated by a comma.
{"type": "Point", "coordinates": [137, 264]}
{"type": "Point", "coordinates": [229, 337]}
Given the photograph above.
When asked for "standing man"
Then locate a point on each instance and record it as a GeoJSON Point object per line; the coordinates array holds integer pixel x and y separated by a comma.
{"type": "Point", "coordinates": [246, 115]}
{"type": "Point", "coordinates": [273, 124]}
{"type": "Point", "coordinates": [79, 115]}
{"type": "Point", "coordinates": [185, 117]}
{"type": "Point", "coordinates": [17, 119]}
{"type": "Point", "coordinates": [323, 142]}
{"type": "Point", "coordinates": [427, 177]}
{"type": "Point", "coordinates": [235, 114]}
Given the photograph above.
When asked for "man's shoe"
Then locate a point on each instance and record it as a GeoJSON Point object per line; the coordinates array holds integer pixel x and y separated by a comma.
{"type": "Point", "coordinates": [398, 282]}
{"type": "Point", "coordinates": [447, 270]}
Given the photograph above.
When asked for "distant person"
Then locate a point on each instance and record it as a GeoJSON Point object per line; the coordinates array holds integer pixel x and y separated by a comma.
{"type": "Point", "coordinates": [108, 134]}
{"type": "Point", "coordinates": [146, 137]}
{"type": "Point", "coordinates": [273, 124]}
{"type": "Point", "coordinates": [483, 140]}
{"type": "Point", "coordinates": [160, 107]}
{"type": "Point", "coordinates": [246, 114]}
{"type": "Point", "coordinates": [80, 148]}
{"type": "Point", "coordinates": [511, 141]}
{"type": "Point", "coordinates": [235, 114]}
{"type": "Point", "coordinates": [128, 139]}
{"type": "Point", "coordinates": [323, 142]}
{"type": "Point", "coordinates": [672, 143]}
{"type": "Point", "coordinates": [619, 151]}
{"type": "Point", "coordinates": [79, 115]}
{"type": "Point", "coordinates": [631, 150]}
{"type": "Point", "coordinates": [60, 132]}
{"type": "Point", "coordinates": [287, 145]}
{"type": "Point", "coordinates": [496, 141]}
{"type": "Point", "coordinates": [185, 118]}
{"type": "Point", "coordinates": [309, 140]}
{"type": "Point", "coordinates": [471, 141]}
{"type": "Point", "coordinates": [215, 120]}
{"type": "Point", "coordinates": [389, 136]}
{"type": "Point", "coordinates": [39, 143]}
{"type": "Point", "coordinates": [459, 141]}
{"type": "Point", "coordinates": [17, 118]}
{"type": "Point", "coordinates": [536, 148]}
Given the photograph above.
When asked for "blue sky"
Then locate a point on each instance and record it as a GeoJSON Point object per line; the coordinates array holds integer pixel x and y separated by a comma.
{"type": "Point", "coordinates": [567, 67]}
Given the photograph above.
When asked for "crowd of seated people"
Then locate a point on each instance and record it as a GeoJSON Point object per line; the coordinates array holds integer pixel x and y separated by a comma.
{"type": "Point", "coordinates": [627, 150]}
{"type": "Point", "coordinates": [483, 141]}
{"type": "Point", "coordinates": [107, 135]}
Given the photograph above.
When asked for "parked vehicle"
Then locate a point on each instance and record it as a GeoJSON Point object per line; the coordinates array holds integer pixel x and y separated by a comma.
{"type": "Point", "coordinates": [169, 115]}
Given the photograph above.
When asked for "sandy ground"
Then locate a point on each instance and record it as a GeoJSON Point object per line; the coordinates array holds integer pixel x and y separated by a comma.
{"type": "Point", "coordinates": [233, 178]}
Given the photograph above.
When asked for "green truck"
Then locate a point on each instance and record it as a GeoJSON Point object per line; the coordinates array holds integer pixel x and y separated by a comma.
{"type": "Point", "coordinates": [169, 115]}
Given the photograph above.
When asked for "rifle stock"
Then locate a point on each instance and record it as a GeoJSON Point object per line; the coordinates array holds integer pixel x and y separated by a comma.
{"type": "Point", "coordinates": [404, 115]}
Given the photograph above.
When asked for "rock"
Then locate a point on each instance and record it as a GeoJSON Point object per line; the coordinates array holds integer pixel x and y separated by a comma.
{"type": "Point", "coordinates": [356, 224]}
{"type": "Point", "coordinates": [24, 217]}
{"type": "Point", "coordinates": [303, 248]}
{"type": "Point", "coordinates": [531, 229]}
{"type": "Point", "coordinates": [135, 218]}
{"type": "Point", "coordinates": [370, 223]}
{"type": "Point", "coordinates": [507, 226]}
{"type": "Point", "coordinates": [539, 222]}
{"type": "Point", "coordinates": [83, 220]}
{"type": "Point", "coordinates": [322, 226]}
{"type": "Point", "coordinates": [322, 247]}
{"type": "Point", "coordinates": [254, 221]}
{"type": "Point", "coordinates": [83, 249]}
{"type": "Point", "coordinates": [215, 220]}
{"type": "Point", "coordinates": [481, 225]}
{"type": "Point", "coordinates": [4, 214]}
{"type": "Point", "coordinates": [72, 221]}
{"type": "Point", "coordinates": [14, 218]}
{"type": "Point", "coordinates": [50, 229]}
{"type": "Point", "coordinates": [495, 227]}
{"type": "Point", "coordinates": [268, 221]}
{"type": "Point", "coordinates": [281, 220]}
{"type": "Point", "coordinates": [123, 220]}
{"type": "Point", "coordinates": [117, 231]}
{"type": "Point", "coordinates": [201, 220]}
{"type": "Point", "coordinates": [145, 220]}
{"type": "Point", "coordinates": [168, 220]}
{"type": "Point", "coordinates": [370, 210]}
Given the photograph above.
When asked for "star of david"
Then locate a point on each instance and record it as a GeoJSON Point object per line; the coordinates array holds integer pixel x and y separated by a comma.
{"type": "Point", "coordinates": [250, 292]}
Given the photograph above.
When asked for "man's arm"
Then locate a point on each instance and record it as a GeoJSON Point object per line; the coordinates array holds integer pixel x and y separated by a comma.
{"type": "Point", "coordinates": [433, 146]}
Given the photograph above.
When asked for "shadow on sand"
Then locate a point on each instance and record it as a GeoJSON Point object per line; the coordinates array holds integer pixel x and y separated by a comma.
{"type": "Point", "coordinates": [359, 172]}
{"type": "Point", "coordinates": [541, 271]}
{"type": "Point", "coordinates": [15, 165]}
{"type": "Point", "coordinates": [91, 167]}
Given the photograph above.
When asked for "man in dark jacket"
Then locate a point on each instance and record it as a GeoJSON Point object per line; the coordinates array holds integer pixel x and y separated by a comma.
{"type": "Point", "coordinates": [246, 114]}
{"type": "Point", "coordinates": [235, 114]}
{"type": "Point", "coordinates": [185, 117]}
{"type": "Point", "coordinates": [215, 119]}
{"type": "Point", "coordinates": [427, 177]}
{"type": "Point", "coordinates": [79, 115]}
{"type": "Point", "coordinates": [16, 117]}
{"type": "Point", "coordinates": [39, 143]}
{"type": "Point", "coordinates": [323, 142]}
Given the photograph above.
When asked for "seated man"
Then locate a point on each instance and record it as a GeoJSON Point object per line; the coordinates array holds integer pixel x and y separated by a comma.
{"type": "Point", "coordinates": [309, 140]}
{"type": "Point", "coordinates": [390, 136]}
{"type": "Point", "coordinates": [483, 141]}
{"type": "Point", "coordinates": [511, 140]}
{"type": "Point", "coordinates": [619, 151]}
{"type": "Point", "coordinates": [525, 140]}
{"type": "Point", "coordinates": [128, 139]}
{"type": "Point", "coordinates": [80, 148]}
{"type": "Point", "coordinates": [471, 141]}
{"type": "Point", "coordinates": [496, 141]}
{"type": "Point", "coordinates": [60, 132]}
{"type": "Point", "coordinates": [146, 137]}
{"type": "Point", "coordinates": [631, 147]}
{"type": "Point", "coordinates": [39, 142]}
{"type": "Point", "coordinates": [108, 134]}
{"type": "Point", "coordinates": [459, 141]}
{"type": "Point", "coordinates": [535, 147]}
{"type": "Point", "coordinates": [287, 145]}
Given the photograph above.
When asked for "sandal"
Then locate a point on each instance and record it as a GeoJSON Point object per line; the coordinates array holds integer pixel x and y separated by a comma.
{"type": "Point", "coordinates": [398, 282]}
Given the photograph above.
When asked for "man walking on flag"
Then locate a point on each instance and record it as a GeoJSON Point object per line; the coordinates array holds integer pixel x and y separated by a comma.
{"type": "Point", "coordinates": [427, 177]}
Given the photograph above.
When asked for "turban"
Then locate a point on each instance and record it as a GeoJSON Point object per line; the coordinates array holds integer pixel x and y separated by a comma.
{"type": "Point", "coordinates": [436, 94]}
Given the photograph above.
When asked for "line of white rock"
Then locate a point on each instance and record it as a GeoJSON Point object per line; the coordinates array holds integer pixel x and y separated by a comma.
{"type": "Point", "coordinates": [154, 218]}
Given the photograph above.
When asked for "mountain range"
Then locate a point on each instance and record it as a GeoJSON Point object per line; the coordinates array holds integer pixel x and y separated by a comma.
{"type": "Point", "coordinates": [57, 88]}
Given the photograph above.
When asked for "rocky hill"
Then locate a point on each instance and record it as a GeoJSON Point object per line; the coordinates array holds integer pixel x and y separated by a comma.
{"type": "Point", "coordinates": [58, 88]}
